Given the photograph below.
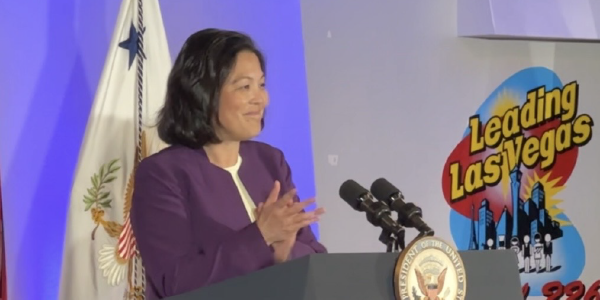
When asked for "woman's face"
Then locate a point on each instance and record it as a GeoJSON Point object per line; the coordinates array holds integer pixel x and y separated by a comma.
{"type": "Point", "coordinates": [243, 100]}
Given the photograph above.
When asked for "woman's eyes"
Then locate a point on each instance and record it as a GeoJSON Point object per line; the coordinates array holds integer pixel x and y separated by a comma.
{"type": "Point", "coordinates": [247, 86]}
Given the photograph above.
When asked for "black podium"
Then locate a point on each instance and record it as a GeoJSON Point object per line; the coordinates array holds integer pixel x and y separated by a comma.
{"type": "Point", "coordinates": [491, 275]}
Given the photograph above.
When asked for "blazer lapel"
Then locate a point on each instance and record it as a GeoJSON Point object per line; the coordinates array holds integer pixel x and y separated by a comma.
{"type": "Point", "coordinates": [225, 196]}
{"type": "Point", "coordinates": [254, 176]}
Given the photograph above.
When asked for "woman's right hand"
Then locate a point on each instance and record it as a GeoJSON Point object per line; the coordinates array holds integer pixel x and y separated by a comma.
{"type": "Point", "coordinates": [281, 218]}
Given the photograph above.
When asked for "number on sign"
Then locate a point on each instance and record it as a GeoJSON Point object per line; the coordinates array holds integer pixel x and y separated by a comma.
{"type": "Point", "coordinates": [553, 290]}
{"type": "Point", "coordinates": [525, 289]}
{"type": "Point", "coordinates": [592, 293]}
{"type": "Point", "coordinates": [575, 290]}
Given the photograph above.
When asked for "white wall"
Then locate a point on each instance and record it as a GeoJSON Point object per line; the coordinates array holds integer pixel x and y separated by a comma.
{"type": "Point", "coordinates": [391, 89]}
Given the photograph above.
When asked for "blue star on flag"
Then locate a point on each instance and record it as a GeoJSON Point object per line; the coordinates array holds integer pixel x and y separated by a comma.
{"type": "Point", "coordinates": [131, 44]}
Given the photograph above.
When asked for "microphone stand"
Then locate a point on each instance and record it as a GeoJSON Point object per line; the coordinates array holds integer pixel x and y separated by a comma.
{"type": "Point", "coordinates": [388, 239]}
{"type": "Point", "coordinates": [413, 209]}
{"type": "Point", "coordinates": [397, 243]}
{"type": "Point", "coordinates": [394, 243]}
{"type": "Point", "coordinates": [400, 242]}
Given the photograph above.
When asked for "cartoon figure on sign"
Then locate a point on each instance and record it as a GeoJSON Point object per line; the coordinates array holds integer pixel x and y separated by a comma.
{"type": "Point", "coordinates": [503, 179]}
{"type": "Point", "coordinates": [514, 245]}
{"type": "Point", "coordinates": [538, 253]}
{"type": "Point", "coordinates": [490, 244]}
{"type": "Point", "coordinates": [548, 251]}
{"type": "Point", "coordinates": [527, 253]}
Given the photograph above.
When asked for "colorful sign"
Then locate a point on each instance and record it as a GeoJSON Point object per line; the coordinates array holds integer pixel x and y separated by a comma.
{"type": "Point", "coordinates": [503, 181]}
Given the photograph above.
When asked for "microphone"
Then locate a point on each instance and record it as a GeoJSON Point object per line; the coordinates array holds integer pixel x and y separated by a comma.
{"type": "Point", "coordinates": [378, 213]}
{"type": "Point", "coordinates": [410, 215]}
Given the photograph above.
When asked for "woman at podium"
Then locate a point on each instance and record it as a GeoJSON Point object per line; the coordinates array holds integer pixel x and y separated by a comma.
{"type": "Point", "coordinates": [214, 204]}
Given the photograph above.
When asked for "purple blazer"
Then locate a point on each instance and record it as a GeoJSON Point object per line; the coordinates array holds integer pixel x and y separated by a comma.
{"type": "Point", "coordinates": [190, 223]}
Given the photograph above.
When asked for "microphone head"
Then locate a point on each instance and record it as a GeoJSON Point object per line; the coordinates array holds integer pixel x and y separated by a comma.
{"type": "Point", "coordinates": [383, 190]}
{"type": "Point", "coordinates": [351, 192]}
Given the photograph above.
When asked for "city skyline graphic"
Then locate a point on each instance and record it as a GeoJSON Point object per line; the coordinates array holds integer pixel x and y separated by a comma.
{"type": "Point", "coordinates": [526, 227]}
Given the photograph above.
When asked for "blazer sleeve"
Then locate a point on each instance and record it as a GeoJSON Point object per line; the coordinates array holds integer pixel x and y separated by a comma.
{"type": "Point", "coordinates": [174, 263]}
{"type": "Point", "coordinates": [306, 242]}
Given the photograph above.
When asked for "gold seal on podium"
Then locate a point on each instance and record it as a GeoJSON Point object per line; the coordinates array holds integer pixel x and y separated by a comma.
{"type": "Point", "coordinates": [430, 269]}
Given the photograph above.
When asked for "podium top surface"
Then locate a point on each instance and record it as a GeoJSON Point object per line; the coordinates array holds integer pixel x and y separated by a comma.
{"type": "Point", "coordinates": [491, 275]}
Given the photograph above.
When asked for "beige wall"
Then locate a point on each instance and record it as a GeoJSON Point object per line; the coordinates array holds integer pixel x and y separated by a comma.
{"type": "Point", "coordinates": [391, 89]}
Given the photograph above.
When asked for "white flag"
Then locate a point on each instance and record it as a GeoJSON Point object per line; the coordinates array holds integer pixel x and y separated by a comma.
{"type": "Point", "coordinates": [100, 259]}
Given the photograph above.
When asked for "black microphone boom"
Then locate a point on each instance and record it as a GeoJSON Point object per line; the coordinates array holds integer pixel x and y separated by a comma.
{"type": "Point", "coordinates": [378, 213]}
{"type": "Point", "coordinates": [408, 212]}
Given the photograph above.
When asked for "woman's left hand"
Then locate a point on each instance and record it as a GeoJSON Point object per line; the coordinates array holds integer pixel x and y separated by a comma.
{"type": "Point", "coordinates": [282, 249]}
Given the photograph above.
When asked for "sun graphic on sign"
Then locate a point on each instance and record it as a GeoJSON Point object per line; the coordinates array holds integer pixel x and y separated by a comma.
{"type": "Point", "coordinates": [505, 101]}
{"type": "Point", "coordinates": [551, 190]}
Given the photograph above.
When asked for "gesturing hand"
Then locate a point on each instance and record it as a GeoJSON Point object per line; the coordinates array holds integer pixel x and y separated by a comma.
{"type": "Point", "coordinates": [279, 219]}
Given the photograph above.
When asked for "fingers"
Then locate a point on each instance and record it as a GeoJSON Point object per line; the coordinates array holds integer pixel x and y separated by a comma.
{"type": "Point", "coordinates": [285, 201]}
{"type": "Point", "coordinates": [304, 219]}
{"type": "Point", "coordinates": [303, 222]}
{"type": "Point", "coordinates": [288, 198]}
{"type": "Point", "coordinates": [307, 216]}
{"type": "Point", "coordinates": [319, 211]}
{"type": "Point", "coordinates": [258, 210]}
{"type": "Point", "coordinates": [299, 206]}
{"type": "Point", "coordinates": [298, 223]}
{"type": "Point", "coordinates": [274, 194]}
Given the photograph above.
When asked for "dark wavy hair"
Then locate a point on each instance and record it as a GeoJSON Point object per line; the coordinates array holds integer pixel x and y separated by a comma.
{"type": "Point", "coordinates": [194, 85]}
